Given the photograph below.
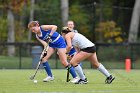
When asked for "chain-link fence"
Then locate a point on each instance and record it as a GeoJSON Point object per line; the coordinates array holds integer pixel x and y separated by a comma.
{"type": "Point", "coordinates": [111, 55]}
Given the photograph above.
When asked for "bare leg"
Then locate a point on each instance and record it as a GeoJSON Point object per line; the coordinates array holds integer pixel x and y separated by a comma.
{"type": "Point", "coordinates": [101, 68]}
{"type": "Point", "coordinates": [62, 56]}
{"type": "Point", "coordinates": [98, 65]}
{"type": "Point", "coordinates": [75, 62]}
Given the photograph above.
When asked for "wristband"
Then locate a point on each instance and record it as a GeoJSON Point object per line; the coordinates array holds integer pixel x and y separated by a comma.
{"type": "Point", "coordinates": [49, 35]}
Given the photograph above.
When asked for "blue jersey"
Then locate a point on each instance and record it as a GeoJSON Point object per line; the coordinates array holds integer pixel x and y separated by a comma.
{"type": "Point", "coordinates": [57, 40]}
{"type": "Point", "coordinates": [72, 50]}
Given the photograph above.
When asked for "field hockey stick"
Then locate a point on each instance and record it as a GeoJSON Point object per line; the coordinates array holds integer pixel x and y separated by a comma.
{"type": "Point", "coordinates": [39, 63]}
{"type": "Point", "coordinates": [32, 77]}
{"type": "Point", "coordinates": [68, 71]}
{"type": "Point", "coordinates": [68, 74]}
{"type": "Point", "coordinates": [68, 68]}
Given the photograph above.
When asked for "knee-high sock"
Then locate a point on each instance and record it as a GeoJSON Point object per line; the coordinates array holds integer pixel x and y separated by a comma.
{"type": "Point", "coordinates": [79, 71]}
{"type": "Point", "coordinates": [80, 64]}
{"type": "Point", "coordinates": [103, 70]}
{"type": "Point", "coordinates": [47, 68]}
{"type": "Point", "coordinates": [72, 72]}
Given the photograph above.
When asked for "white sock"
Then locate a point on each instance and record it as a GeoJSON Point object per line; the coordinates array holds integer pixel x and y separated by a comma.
{"type": "Point", "coordinates": [79, 71]}
{"type": "Point", "coordinates": [103, 70]}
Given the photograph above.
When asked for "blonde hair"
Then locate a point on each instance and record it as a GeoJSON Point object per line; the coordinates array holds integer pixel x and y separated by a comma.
{"type": "Point", "coordinates": [65, 30]}
{"type": "Point", "coordinates": [33, 23]}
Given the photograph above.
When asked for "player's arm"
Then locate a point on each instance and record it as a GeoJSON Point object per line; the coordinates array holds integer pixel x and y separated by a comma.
{"type": "Point", "coordinates": [42, 42]}
{"type": "Point", "coordinates": [68, 40]}
{"type": "Point", "coordinates": [44, 52]}
{"type": "Point", "coordinates": [53, 28]}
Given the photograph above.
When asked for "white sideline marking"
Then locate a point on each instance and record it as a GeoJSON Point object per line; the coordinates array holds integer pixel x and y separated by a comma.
{"type": "Point", "coordinates": [95, 91]}
{"type": "Point", "coordinates": [111, 91]}
{"type": "Point", "coordinates": [54, 92]}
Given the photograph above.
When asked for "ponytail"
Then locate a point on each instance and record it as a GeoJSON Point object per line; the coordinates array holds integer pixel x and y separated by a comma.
{"type": "Point", "coordinates": [65, 30]}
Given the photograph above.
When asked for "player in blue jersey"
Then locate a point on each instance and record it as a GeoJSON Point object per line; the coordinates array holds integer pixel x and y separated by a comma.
{"type": "Point", "coordinates": [45, 33]}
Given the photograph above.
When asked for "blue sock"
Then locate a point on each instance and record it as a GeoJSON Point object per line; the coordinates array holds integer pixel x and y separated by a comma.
{"type": "Point", "coordinates": [72, 72]}
{"type": "Point", "coordinates": [47, 68]}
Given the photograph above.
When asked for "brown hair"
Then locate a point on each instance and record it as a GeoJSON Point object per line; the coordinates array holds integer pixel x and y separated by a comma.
{"type": "Point", "coordinates": [33, 23]}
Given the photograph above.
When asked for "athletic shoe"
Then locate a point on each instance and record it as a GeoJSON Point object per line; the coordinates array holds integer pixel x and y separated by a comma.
{"type": "Point", "coordinates": [80, 81]}
{"type": "Point", "coordinates": [109, 79]}
{"type": "Point", "coordinates": [49, 78]}
{"type": "Point", "coordinates": [74, 80]}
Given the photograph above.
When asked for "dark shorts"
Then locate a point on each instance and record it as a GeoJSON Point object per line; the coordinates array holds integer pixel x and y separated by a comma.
{"type": "Point", "coordinates": [89, 49]}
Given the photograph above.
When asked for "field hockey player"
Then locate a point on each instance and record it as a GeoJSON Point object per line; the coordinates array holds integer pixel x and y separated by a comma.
{"type": "Point", "coordinates": [45, 33]}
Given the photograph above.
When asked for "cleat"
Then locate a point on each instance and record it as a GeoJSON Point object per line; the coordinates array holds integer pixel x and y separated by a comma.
{"type": "Point", "coordinates": [49, 78]}
{"type": "Point", "coordinates": [74, 80]}
{"type": "Point", "coordinates": [109, 79]}
{"type": "Point", "coordinates": [80, 81]}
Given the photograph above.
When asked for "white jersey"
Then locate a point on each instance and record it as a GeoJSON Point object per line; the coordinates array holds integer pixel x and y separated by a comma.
{"type": "Point", "coordinates": [81, 41]}
{"type": "Point", "coordinates": [75, 31]}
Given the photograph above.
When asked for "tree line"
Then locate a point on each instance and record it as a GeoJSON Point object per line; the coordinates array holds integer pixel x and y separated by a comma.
{"type": "Point", "coordinates": [108, 21]}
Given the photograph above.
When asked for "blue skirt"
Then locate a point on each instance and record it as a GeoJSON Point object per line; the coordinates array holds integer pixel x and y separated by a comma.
{"type": "Point", "coordinates": [60, 43]}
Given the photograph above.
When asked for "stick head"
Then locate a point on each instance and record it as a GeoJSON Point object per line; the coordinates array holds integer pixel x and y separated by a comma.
{"type": "Point", "coordinates": [68, 80]}
{"type": "Point", "coordinates": [32, 77]}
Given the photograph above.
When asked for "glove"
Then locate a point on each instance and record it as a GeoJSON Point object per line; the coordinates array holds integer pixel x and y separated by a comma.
{"type": "Point", "coordinates": [68, 66]}
{"type": "Point", "coordinates": [69, 56]}
{"type": "Point", "coordinates": [48, 39]}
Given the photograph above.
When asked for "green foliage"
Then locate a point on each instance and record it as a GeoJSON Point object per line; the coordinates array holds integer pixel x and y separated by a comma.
{"type": "Point", "coordinates": [83, 12]}
{"type": "Point", "coordinates": [3, 29]}
{"type": "Point", "coordinates": [109, 32]}
{"type": "Point", "coordinates": [81, 19]}
{"type": "Point", "coordinates": [15, 5]}
{"type": "Point", "coordinates": [20, 32]}
{"type": "Point", "coordinates": [48, 12]}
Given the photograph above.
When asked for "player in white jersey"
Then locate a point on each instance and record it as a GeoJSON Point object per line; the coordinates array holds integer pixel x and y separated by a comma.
{"type": "Point", "coordinates": [87, 50]}
{"type": "Point", "coordinates": [72, 52]}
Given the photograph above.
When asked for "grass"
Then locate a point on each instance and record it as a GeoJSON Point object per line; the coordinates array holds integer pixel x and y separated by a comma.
{"type": "Point", "coordinates": [14, 62]}
{"type": "Point", "coordinates": [17, 81]}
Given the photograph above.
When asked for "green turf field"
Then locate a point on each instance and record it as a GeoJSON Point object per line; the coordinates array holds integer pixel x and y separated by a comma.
{"type": "Point", "coordinates": [17, 81]}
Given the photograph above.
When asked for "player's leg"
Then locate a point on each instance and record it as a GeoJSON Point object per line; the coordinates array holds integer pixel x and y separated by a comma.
{"type": "Point", "coordinates": [75, 78]}
{"type": "Point", "coordinates": [63, 59]}
{"type": "Point", "coordinates": [75, 62]}
{"type": "Point", "coordinates": [47, 66]}
{"type": "Point", "coordinates": [101, 68]}
{"type": "Point", "coordinates": [73, 73]}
